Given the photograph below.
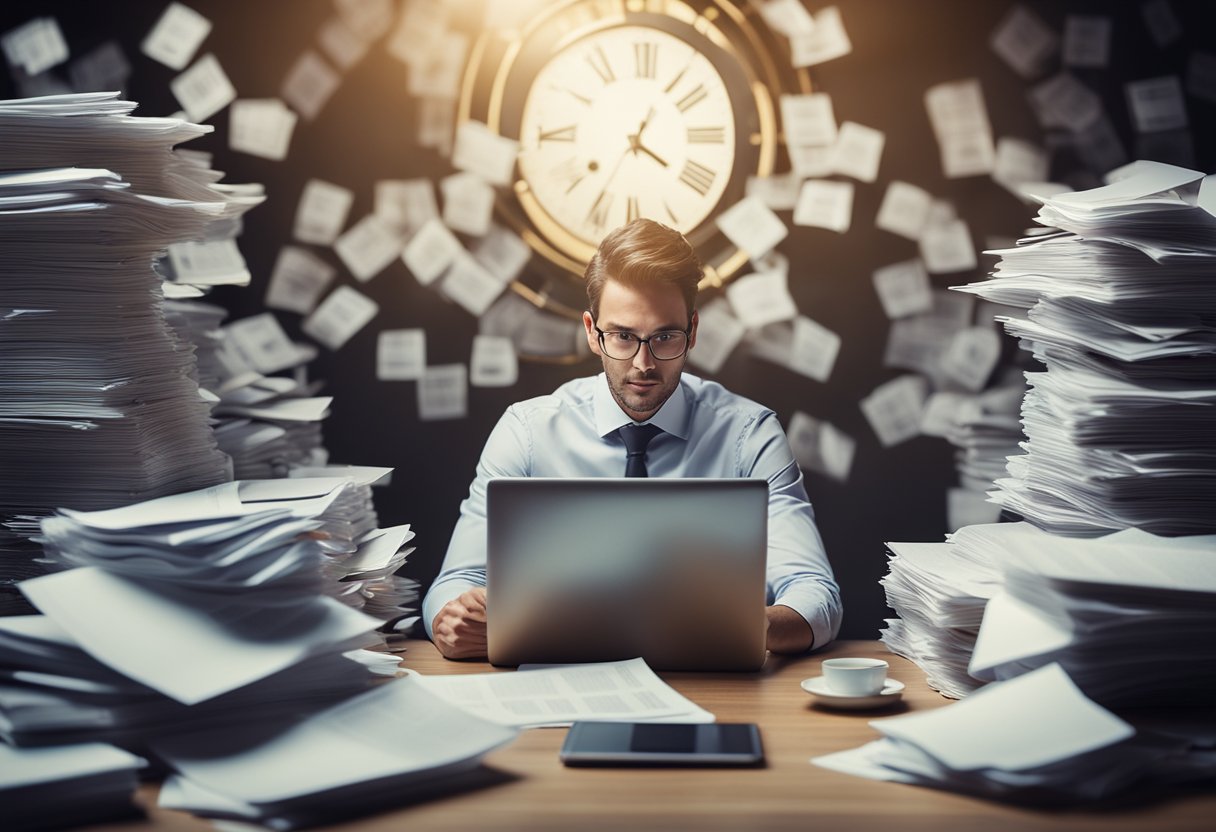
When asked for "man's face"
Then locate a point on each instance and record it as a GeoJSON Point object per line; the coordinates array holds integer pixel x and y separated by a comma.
{"type": "Point", "coordinates": [641, 384]}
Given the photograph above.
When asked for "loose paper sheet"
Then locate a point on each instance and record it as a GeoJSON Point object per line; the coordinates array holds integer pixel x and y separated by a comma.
{"type": "Point", "coordinates": [322, 212]}
{"type": "Point", "coordinates": [752, 226]}
{"type": "Point", "coordinates": [894, 409]}
{"type": "Point", "coordinates": [1024, 41]}
{"type": "Point", "coordinates": [904, 210]}
{"type": "Point", "coordinates": [808, 119]}
{"type": "Point", "coordinates": [406, 204]}
{"type": "Point", "coordinates": [718, 333]}
{"type": "Point", "coordinates": [298, 279]}
{"type": "Point", "coordinates": [36, 46]}
{"type": "Point", "coordinates": [401, 354]}
{"type": "Point", "coordinates": [339, 317]}
{"type": "Point", "coordinates": [825, 42]}
{"type": "Point", "coordinates": [368, 247]}
{"type": "Point", "coordinates": [481, 151]}
{"type": "Point", "coordinates": [203, 89]}
{"type": "Point", "coordinates": [309, 84]}
{"type": "Point", "coordinates": [825, 204]}
{"type": "Point", "coordinates": [761, 298]}
{"type": "Point", "coordinates": [176, 36]}
{"type": "Point", "coordinates": [443, 393]}
{"type": "Point", "coordinates": [858, 151]}
{"type": "Point", "coordinates": [470, 284]}
{"type": "Point", "coordinates": [261, 127]}
{"type": "Point", "coordinates": [431, 251]}
{"type": "Point", "coordinates": [468, 203]}
{"type": "Point", "coordinates": [493, 363]}
{"type": "Point", "coordinates": [903, 289]}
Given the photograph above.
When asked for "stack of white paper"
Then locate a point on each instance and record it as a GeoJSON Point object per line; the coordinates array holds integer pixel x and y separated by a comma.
{"type": "Point", "coordinates": [100, 399]}
{"type": "Point", "coordinates": [1122, 313]}
{"type": "Point", "coordinates": [57, 693]}
{"type": "Point", "coordinates": [50, 788]}
{"type": "Point", "coordinates": [1035, 739]}
{"type": "Point", "coordinates": [939, 591]}
{"type": "Point", "coordinates": [1130, 616]}
{"type": "Point", "coordinates": [396, 743]}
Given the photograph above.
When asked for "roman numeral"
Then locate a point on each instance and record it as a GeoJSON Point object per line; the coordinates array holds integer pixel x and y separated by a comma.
{"type": "Point", "coordinates": [697, 176]}
{"type": "Point", "coordinates": [645, 59]}
{"type": "Point", "coordinates": [686, 103]}
{"type": "Point", "coordinates": [599, 62]}
{"type": "Point", "coordinates": [598, 215]}
{"type": "Point", "coordinates": [632, 211]}
{"type": "Point", "coordinates": [560, 134]}
{"type": "Point", "coordinates": [706, 135]}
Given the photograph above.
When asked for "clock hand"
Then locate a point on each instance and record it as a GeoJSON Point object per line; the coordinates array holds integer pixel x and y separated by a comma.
{"type": "Point", "coordinates": [650, 153]}
{"type": "Point", "coordinates": [642, 126]}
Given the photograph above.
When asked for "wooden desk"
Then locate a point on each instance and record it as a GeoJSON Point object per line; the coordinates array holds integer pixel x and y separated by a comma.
{"type": "Point", "coordinates": [535, 791]}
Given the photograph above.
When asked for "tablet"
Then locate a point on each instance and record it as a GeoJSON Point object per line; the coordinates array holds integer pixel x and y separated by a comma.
{"type": "Point", "coordinates": [662, 744]}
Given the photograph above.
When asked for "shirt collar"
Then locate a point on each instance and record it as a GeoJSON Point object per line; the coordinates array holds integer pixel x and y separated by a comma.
{"type": "Point", "coordinates": [672, 417]}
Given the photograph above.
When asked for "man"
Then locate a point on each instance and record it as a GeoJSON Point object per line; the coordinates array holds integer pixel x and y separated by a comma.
{"type": "Point", "coordinates": [642, 286]}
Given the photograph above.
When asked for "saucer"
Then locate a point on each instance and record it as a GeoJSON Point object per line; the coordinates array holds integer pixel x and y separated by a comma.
{"type": "Point", "coordinates": [817, 687]}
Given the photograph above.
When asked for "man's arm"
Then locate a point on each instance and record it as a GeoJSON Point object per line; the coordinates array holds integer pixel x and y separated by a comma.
{"type": "Point", "coordinates": [800, 580]}
{"type": "Point", "coordinates": [453, 611]}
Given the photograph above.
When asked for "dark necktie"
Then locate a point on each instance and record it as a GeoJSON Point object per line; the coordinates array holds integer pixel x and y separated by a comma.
{"type": "Point", "coordinates": [636, 438]}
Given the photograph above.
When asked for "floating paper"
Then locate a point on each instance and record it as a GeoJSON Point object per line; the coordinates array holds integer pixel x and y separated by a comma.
{"type": "Point", "coordinates": [904, 210]}
{"type": "Point", "coordinates": [176, 36]}
{"type": "Point", "coordinates": [431, 251]}
{"type": "Point", "coordinates": [493, 363]}
{"type": "Point", "coordinates": [825, 204]}
{"type": "Point", "coordinates": [339, 317]}
{"type": "Point", "coordinates": [826, 41]}
{"type": "Point", "coordinates": [261, 127]}
{"type": "Point", "coordinates": [752, 226]}
{"type": "Point", "coordinates": [203, 89]}
{"type": "Point", "coordinates": [297, 281]}
{"type": "Point", "coordinates": [368, 247]}
{"type": "Point", "coordinates": [443, 393]}
{"type": "Point", "coordinates": [322, 212]}
{"type": "Point", "coordinates": [309, 84]}
{"type": "Point", "coordinates": [401, 354]}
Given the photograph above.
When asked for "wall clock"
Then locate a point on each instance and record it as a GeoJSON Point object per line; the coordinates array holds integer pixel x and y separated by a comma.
{"type": "Point", "coordinates": [626, 108]}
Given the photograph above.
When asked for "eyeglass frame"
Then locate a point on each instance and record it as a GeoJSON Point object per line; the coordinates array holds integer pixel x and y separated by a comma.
{"type": "Point", "coordinates": [639, 341]}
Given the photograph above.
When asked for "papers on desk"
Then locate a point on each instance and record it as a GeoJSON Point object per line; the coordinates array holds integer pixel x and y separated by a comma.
{"type": "Point", "coordinates": [67, 785]}
{"type": "Point", "coordinates": [54, 692]}
{"type": "Point", "coordinates": [1119, 308]}
{"type": "Point", "coordinates": [1130, 616]}
{"type": "Point", "coordinates": [1035, 739]}
{"type": "Point", "coordinates": [377, 750]}
{"type": "Point", "coordinates": [546, 696]}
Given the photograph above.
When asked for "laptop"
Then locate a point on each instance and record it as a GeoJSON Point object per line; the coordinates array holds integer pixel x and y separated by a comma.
{"type": "Point", "coordinates": [591, 570]}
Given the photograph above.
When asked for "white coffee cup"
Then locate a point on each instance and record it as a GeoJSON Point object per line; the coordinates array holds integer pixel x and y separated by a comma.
{"type": "Point", "coordinates": [855, 677]}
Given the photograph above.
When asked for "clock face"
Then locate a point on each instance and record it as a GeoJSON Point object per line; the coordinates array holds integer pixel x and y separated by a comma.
{"type": "Point", "coordinates": [627, 122]}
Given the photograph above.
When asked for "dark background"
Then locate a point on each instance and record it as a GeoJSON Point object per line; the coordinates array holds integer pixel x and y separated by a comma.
{"type": "Point", "coordinates": [366, 133]}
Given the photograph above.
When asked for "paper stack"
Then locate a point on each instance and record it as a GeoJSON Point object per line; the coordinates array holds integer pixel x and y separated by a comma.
{"type": "Point", "coordinates": [1035, 739]}
{"type": "Point", "coordinates": [1130, 616]}
{"type": "Point", "coordinates": [396, 743]}
{"type": "Point", "coordinates": [58, 693]}
{"type": "Point", "coordinates": [101, 404]}
{"type": "Point", "coordinates": [52, 788]}
{"type": "Point", "coordinates": [939, 591]}
{"type": "Point", "coordinates": [1122, 313]}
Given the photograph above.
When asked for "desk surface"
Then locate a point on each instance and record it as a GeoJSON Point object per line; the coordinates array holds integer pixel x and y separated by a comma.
{"type": "Point", "coordinates": [532, 790]}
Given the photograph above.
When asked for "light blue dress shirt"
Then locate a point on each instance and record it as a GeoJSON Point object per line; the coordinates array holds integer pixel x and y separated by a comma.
{"type": "Point", "coordinates": [708, 432]}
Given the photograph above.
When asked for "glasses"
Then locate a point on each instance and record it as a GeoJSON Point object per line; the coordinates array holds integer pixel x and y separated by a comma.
{"type": "Point", "coordinates": [664, 346]}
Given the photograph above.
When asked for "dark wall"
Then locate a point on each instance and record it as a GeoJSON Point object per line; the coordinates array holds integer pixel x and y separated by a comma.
{"type": "Point", "coordinates": [366, 133]}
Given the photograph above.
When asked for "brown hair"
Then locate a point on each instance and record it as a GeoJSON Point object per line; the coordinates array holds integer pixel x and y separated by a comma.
{"type": "Point", "coordinates": [640, 252]}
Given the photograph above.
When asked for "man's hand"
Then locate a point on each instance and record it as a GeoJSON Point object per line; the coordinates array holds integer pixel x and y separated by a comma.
{"type": "Point", "coordinates": [788, 631]}
{"type": "Point", "coordinates": [460, 627]}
